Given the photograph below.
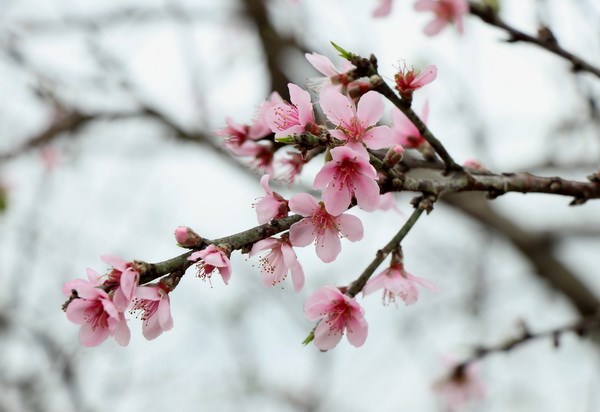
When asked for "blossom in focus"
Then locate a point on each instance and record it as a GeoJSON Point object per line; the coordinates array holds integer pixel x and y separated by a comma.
{"type": "Point", "coordinates": [154, 303]}
{"type": "Point", "coordinates": [271, 205]}
{"type": "Point", "coordinates": [320, 225]}
{"type": "Point", "coordinates": [383, 9]}
{"type": "Point", "coordinates": [395, 281]}
{"type": "Point", "coordinates": [333, 78]}
{"type": "Point", "coordinates": [446, 12]}
{"type": "Point", "coordinates": [186, 237]}
{"type": "Point", "coordinates": [280, 260]}
{"type": "Point", "coordinates": [356, 125]}
{"type": "Point", "coordinates": [120, 281]}
{"type": "Point", "coordinates": [462, 386]}
{"type": "Point", "coordinates": [347, 175]}
{"type": "Point", "coordinates": [287, 119]}
{"type": "Point", "coordinates": [409, 80]}
{"type": "Point", "coordinates": [96, 313]}
{"type": "Point", "coordinates": [337, 313]}
{"type": "Point", "coordinates": [212, 258]}
{"type": "Point", "coordinates": [404, 132]}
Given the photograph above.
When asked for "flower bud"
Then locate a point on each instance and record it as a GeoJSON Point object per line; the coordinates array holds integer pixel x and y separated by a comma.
{"type": "Point", "coordinates": [186, 237]}
{"type": "Point", "coordinates": [393, 156]}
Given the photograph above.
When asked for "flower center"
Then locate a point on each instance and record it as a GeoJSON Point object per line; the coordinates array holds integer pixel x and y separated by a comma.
{"type": "Point", "coordinates": [286, 116]}
{"type": "Point", "coordinates": [96, 316]}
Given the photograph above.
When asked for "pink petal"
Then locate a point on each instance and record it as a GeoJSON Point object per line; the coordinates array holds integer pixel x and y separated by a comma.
{"type": "Point", "coordinates": [337, 107]}
{"type": "Point", "coordinates": [425, 5]}
{"type": "Point", "coordinates": [423, 282]}
{"type": "Point", "coordinates": [325, 175]}
{"type": "Point", "coordinates": [435, 26]}
{"type": "Point", "coordinates": [350, 227]}
{"type": "Point", "coordinates": [384, 8]}
{"type": "Point", "coordinates": [302, 233]}
{"type": "Point", "coordinates": [147, 292]}
{"type": "Point", "coordinates": [373, 284]}
{"type": "Point", "coordinates": [370, 109]}
{"type": "Point", "coordinates": [76, 311]}
{"type": "Point", "coordinates": [357, 331]}
{"type": "Point", "coordinates": [115, 262]}
{"type": "Point", "coordinates": [264, 182]}
{"type": "Point", "coordinates": [263, 244]}
{"type": "Point", "coordinates": [129, 280]}
{"type": "Point", "coordinates": [336, 199]}
{"type": "Point", "coordinates": [303, 204]}
{"type": "Point", "coordinates": [379, 137]}
{"type": "Point", "coordinates": [325, 338]}
{"type": "Point", "coordinates": [328, 246]}
{"type": "Point", "coordinates": [89, 336]}
{"type": "Point", "coordinates": [225, 273]}
{"type": "Point", "coordinates": [164, 314]}
{"type": "Point", "coordinates": [122, 333]}
{"type": "Point", "coordinates": [321, 63]}
{"type": "Point", "coordinates": [338, 134]}
{"type": "Point", "coordinates": [195, 256]}
{"type": "Point", "coordinates": [267, 209]}
{"type": "Point", "coordinates": [366, 192]}
{"type": "Point", "coordinates": [297, 276]}
{"type": "Point", "coordinates": [151, 328]}
{"type": "Point", "coordinates": [425, 77]}
{"type": "Point", "coordinates": [301, 99]}
{"type": "Point", "coordinates": [320, 302]}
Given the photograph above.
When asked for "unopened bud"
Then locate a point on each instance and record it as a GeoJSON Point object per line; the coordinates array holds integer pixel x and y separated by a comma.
{"type": "Point", "coordinates": [186, 237]}
{"type": "Point", "coordinates": [393, 156]}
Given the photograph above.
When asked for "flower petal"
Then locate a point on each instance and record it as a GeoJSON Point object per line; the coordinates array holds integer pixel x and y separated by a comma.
{"type": "Point", "coordinates": [350, 227]}
{"type": "Point", "coordinates": [328, 245]}
{"type": "Point", "coordinates": [370, 108]}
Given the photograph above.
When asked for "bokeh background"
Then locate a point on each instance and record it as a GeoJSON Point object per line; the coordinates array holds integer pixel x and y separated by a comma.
{"type": "Point", "coordinates": [107, 144]}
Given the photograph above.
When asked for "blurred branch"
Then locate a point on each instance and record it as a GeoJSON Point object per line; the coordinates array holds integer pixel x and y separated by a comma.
{"type": "Point", "coordinates": [581, 327]}
{"type": "Point", "coordinates": [545, 38]}
{"type": "Point", "coordinates": [537, 248]}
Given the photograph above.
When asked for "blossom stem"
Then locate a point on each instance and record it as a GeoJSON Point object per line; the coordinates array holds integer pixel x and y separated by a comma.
{"type": "Point", "coordinates": [381, 254]}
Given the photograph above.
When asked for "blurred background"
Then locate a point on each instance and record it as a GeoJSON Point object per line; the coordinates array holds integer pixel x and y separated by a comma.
{"type": "Point", "coordinates": [107, 144]}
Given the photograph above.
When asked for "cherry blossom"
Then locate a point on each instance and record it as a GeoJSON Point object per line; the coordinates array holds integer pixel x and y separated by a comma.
{"type": "Point", "coordinates": [405, 132]}
{"type": "Point", "coordinates": [293, 162]}
{"type": "Point", "coordinates": [347, 175]}
{"type": "Point", "coordinates": [446, 12]}
{"type": "Point", "coordinates": [212, 258]}
{"type": "Point", "coordinates": [96, 313]}
{"type": "Point", "coordinates": [120, 281]}
{"type": "Point", "coordinates": [409, 80]}
{"type": "Point", "coordinates": [287, 119]}
{"type": "Point", "coordinates": [462, 386]}
{"type": "Point", "coordinates": [356, 124]}
{"type": "Point", "coordinates": [383, 9]}
{"type": "Point", "coordinates": [395, 281]}
{"type": "Point", "coordinates": [276, 264]}
{"type": "Point", "coordinates": [337, 313]}
{"type": "Point", "coordinates": [322, 226]}
{"type": "Point", "coordinates": [271, 205]}
{"type": "Point", "coordinates": [238, 138]}
{"type": "Point", "coordinates": [333, 78]}
{"type": "Point", "coordinates": [155, 305]}
{"type": "Point", "coordinates": [387, 202]}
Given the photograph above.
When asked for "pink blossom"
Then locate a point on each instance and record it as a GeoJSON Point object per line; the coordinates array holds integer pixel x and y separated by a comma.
{"type": "Point", "coordinates": [271, 205]}
{"type": "Point", "coordinates": [121, 280]}
{"type": "Point", "coordinates": [462, 386]}
{"type": "Point", "coordinates": [260, 126]}
{"type": "Point", "coordinates": [336, 313]}
{"type": "Point", "coordinates": [446, 12]}
{"type": "Point", "coordinates": [212, 258]}
{"type": "Point", "coordinates": [395, 281]}
{"type": "Point", "coordinates": [356, 125]}
{"type": "Point", "coordinates": [95, 312]}
{"type": "Point", "coordinates": [333, 78]}
{"type": "Point", "coordinates": [186, 237]}
{"type": "Point", "coordinates": [294, 162]}
{"type": "Point", "coordinates": [384, 8]}
{"type": "Point", "coordinates": [238, 138]}
{"type": "Point", "coordinates": [387, 202]}
{"type": "Point", "coordinates": [288, 119]}
{"type": "Point", "coordinates": [347, 175]}
{"type": "Point", "coordinates": [405, 132]}
{"type": "Point", "coordinates": [322, 226]}
{"type": "Point", "coordinates": [275, 265]}
{"type": "Point", "coordinates": [154, 303]}
{"type": "Point", "coordinates": [263, 157]}
{"type": "Point", "coordinates": [407, 81]}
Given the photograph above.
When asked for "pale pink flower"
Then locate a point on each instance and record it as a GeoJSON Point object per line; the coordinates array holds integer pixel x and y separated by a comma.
{"type": "Point", "coordinates": [293, 162]}
{"type": "Point", "coordinates": [272, 205]}
{"type": "Point", "coordinates": [347, 175]}
{"type": "Point", "coordinates": [260, 126]}
{"type": "Point", "coordinates": [333, 78]}
{"type": "Point", "coordinates": [276, 264]}
{"type": "Point", "coordinates": [337, 313]}
{"type": "Point", "coordinates": [155, 305]}
{"type": "Point", "coordinates": [387, 202]}
{"type": "Point", "coordinates": [461, 387]}
{"type": "Point", "coordinates": [263, 157]}
{"type": "Point", "coordinates": [407, 81]}
{"type": "Point", "coordinates": [121, 280]}
{"type": "Point", "coordinates": [446, 12]}
{"type": "Point", "coordinates": [322, 226]}
{"type": "Point", "coordinates": [212, 258]}
{"type": "Point", "coordinates": [238, 138]}
{"type": "Point", "coordinates": [404, 132]}
{"type": "Point", "coordinates": [395, 281]}
{"type": "Point", "coordinates": [384, 8]}
{"type": "Point", "coordinates": [356, 124]}
{"type": "Point", "coordinates": [96, 313]}
{"type": "Point", "coordinates": [288, 119]}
